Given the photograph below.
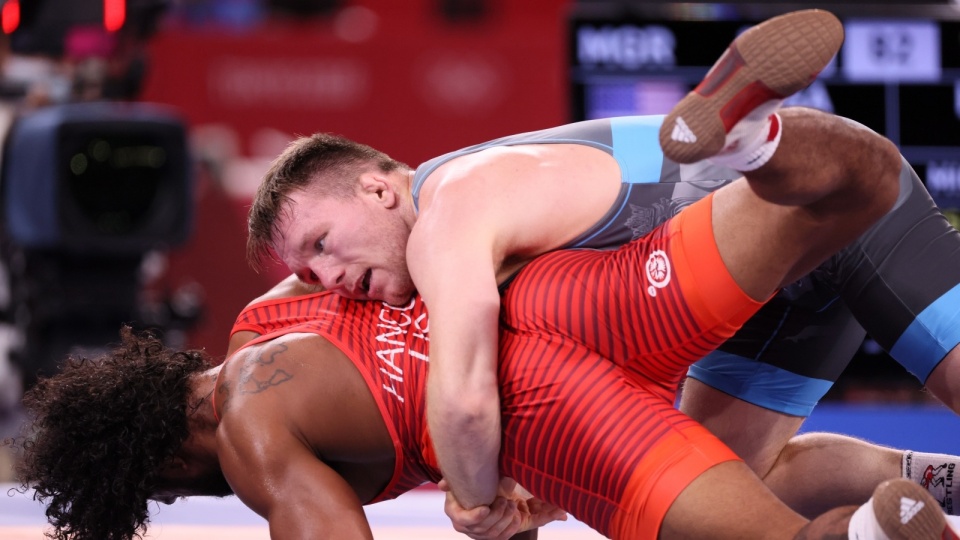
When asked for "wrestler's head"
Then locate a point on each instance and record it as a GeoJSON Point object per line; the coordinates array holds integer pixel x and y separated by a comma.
{"type": "Point", "coordinates": [338, 214]}
{"type": "Point", "coordinates": [104, 433]}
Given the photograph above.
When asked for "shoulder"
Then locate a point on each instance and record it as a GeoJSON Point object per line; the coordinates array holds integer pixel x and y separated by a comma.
{"type": "Point", "coordinates": [280, 368]}
{"type": "Point", "coordinates": [287, 288]}
{"type": "Point", "coordinates": [480, 183]}
{"type": "Point", "coordinates": [259, 377]}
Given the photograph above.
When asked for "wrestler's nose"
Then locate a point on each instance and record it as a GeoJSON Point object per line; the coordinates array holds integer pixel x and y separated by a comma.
{"type": "Point", "coordinates": [330, 276]}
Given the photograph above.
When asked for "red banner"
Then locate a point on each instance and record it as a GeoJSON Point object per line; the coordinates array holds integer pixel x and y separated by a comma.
{"type": "Point", "coordinates": [397, 76]}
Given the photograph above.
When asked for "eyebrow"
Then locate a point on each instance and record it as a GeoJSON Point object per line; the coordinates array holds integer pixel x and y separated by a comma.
{"type": "Point", "coordinates": [305, 245]}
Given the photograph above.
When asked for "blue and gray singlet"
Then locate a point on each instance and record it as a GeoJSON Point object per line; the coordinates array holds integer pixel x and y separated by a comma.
{"type": "Point", "coordinates": [900, 281]}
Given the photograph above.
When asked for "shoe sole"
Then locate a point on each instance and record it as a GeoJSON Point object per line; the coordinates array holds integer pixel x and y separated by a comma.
{"type": "Point", "coordinates": [906, 511]}
{"type": "Point", "coordinates": [772, 60]}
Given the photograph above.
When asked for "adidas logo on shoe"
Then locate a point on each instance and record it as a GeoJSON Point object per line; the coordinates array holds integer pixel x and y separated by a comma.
{"type": "Point", "coordinates": [908, 509]}
{"type": "Point", "coordinates": [764, 65]}
{"type": "Point", "coordinates": [682, 132]}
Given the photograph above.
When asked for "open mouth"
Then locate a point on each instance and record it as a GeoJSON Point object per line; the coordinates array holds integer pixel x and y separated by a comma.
{"type": "Point", "coordinates": [365, 282]}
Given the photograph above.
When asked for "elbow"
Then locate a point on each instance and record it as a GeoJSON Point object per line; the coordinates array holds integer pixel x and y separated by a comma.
{"type": "Point", "coordinates": [473, 411]}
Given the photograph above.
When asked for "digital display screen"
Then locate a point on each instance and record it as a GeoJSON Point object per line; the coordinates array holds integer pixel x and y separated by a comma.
{"type": "Point", "coordinates": [898, 76]}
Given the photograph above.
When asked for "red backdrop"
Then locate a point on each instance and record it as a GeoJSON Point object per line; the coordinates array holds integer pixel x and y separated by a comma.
{"type": "Point", "coordinates": [395, 75]}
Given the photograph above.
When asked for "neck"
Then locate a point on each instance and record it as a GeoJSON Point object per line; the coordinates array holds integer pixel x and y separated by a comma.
{"type": "Point", "coordinates": [200, 413]}
{"type": "Point", "coordinates": [407, 193]}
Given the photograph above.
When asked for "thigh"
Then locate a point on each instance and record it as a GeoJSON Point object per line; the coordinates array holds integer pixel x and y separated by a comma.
{"type": "Point", "coordinates": [788, 355]}
{"type": "Point", "coordinates": [756, 434]}
{"type": "Point", "coordinates": [579, 433]}
{"type": "Point", "coordinates": [654, 306]}
{"type": "Point", "coordinates": [898, 282]}
{"type": "Point", "coordinates": [901, 280]}
{"type": "Point", "coordinates": [728, 501]}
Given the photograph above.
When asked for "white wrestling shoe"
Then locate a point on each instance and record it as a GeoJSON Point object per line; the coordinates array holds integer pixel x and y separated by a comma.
{"type": "Point", "coordinates": [902, 510]}
{"type": "Point", "coordinates": [733, 107]}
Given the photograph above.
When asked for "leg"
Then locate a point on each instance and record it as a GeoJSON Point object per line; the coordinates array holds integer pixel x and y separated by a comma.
{"type": "Point", "coordinates": [898, 510]}
{"type": "Point", "coordinates": [811, 473]}
{"type": "Point", "coordinates": [756, 434]}
{"type": "Point", "coordinates": [699, 513]}
{"type": "Point", "coordinates": [767, 244]}
{"type": "Point", "coordinates": [944, 380]}
{"type": "Point", "coordinates": [901, 281]}
{"type": "Point", "coordinates": [794, 211]}
{"type": "Point", "coordinates": [906, 265]}
{"type": "Point", "coordinates": [582, 436]}
{"type": "Point", "coordinates": [819, 471]}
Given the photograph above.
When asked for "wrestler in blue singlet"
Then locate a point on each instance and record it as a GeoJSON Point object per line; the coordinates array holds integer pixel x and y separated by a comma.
{"type": "Point", "coordinates": [900, 281]}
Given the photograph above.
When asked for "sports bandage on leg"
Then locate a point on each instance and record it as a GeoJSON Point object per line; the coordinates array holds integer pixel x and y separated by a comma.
{"type": "Point", "coordinates": [936, 473]}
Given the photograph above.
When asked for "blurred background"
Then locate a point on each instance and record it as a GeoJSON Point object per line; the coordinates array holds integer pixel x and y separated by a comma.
{"type": "Point", "coordinates": [135, 132]}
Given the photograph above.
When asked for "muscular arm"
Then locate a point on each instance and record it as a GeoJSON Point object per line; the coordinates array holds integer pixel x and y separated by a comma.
{"type": "Point", "coordinates": [480, 219]}
{"type": "Point", "coordinates": [463, 404]}
{"type": "Point", "coordinates": [278, 477]}
{"type": "Point", "coordinates": [270, 456]}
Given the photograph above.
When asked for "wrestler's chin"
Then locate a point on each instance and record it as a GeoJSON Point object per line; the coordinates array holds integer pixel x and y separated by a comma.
{"type": "Point", "coordinates": [398, 297]}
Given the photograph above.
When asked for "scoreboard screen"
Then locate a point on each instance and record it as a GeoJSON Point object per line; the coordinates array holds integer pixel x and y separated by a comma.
{"type": "Point", "coordinates": [897, 72]}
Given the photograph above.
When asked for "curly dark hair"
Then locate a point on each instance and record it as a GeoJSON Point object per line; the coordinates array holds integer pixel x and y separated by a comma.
{"type": "Point", "coordinates": [99, 432]}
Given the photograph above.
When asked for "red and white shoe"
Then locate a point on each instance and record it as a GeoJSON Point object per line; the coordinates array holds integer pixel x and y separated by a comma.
{"type": "Point", "coordinates": [762, 67]}
{"type": "Point", "coordinates": [905, 510]}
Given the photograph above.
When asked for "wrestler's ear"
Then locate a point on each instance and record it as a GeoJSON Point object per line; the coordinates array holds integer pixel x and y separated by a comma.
{"type": "Point", "coordinates": [379, 188]}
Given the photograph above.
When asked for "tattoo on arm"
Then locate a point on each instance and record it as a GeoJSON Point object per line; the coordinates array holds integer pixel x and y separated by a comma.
{"type": "Point", "coordinates": [249, 384]}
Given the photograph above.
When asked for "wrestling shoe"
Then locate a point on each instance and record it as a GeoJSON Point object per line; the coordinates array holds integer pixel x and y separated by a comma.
{"type": "Point", "coordinates": [762, 67]}
{"type": "Point", "coordinates": [905, 510]}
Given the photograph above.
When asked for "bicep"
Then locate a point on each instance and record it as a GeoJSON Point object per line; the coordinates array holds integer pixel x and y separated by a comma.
{"type": "Point", "coordinates": [316, 501]}
{"type": "Point", "coordinates": [280, 478]}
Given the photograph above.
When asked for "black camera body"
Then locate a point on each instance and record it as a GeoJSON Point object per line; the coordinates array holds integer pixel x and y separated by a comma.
{"type": "Point", "coordinates": [97, 178]}
{"type": "Point", "coordinates": [86, 191]}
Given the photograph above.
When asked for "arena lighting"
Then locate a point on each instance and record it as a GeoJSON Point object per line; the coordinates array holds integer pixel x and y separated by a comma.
{"type": "Point", "coordinates": [10, 16]}
{"type": "Point", "coordinates": [101, 177]}
{"type": "Point", "coordinates": [114, 14]}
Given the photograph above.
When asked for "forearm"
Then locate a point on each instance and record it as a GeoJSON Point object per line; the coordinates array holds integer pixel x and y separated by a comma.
{"type": "Point", "coordinates": [298, 529]}
{"type": "Point", "coordinates": [463, 402]}
{"type": "Point", "coordinates": [465, 427]}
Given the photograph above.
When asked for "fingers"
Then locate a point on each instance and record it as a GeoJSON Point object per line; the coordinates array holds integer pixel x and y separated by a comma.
{"type": "Point", "coordinates": [498, 521]}
{"type": "Point", "coordinates": [512, 512]}
{"type": "Point", "coordinates": [544, 512]}
{"type": "Point", "coordinates": [507, 486]}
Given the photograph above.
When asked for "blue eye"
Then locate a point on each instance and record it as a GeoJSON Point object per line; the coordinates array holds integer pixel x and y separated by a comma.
{"type": "Point", "coordinates": [318, 245]}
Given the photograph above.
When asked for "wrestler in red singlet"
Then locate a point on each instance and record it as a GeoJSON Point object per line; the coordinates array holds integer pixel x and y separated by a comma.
{"type": "Point", "coordinates": [599, 438]}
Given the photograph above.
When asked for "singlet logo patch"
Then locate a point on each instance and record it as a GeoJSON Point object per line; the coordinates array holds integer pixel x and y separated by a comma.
{"type": "Point", "coordinates": [658, 271]}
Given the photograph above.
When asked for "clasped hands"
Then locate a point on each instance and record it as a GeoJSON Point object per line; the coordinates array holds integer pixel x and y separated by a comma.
{"type": "Point", "coordinates": [514, 511]}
